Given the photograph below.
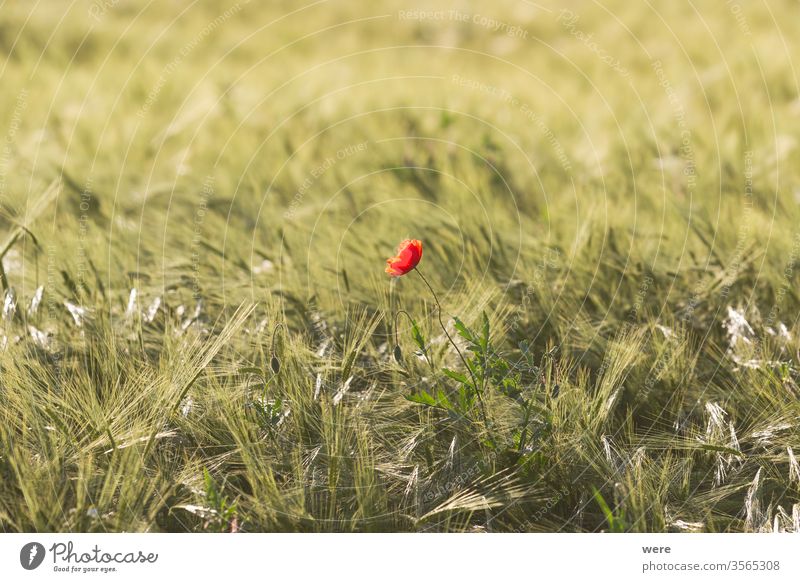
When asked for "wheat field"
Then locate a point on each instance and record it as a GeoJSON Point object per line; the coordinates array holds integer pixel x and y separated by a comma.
{"type": "Point", "coordinates": [197, 200]}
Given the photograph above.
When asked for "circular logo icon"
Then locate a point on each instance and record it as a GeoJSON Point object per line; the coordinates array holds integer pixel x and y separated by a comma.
{"type": "Point", "coordinates": [31, 555]}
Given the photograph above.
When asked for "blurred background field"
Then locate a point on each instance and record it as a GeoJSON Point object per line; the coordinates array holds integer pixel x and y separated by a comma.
{"type": "Point", "coordinates": [615, 185]}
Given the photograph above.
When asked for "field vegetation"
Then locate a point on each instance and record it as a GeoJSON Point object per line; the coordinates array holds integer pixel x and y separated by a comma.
{"type": "Point", "coordinates": [197, 200]}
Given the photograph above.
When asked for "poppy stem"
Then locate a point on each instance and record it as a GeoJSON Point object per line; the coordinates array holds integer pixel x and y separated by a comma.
{"type": "Point", "coordinates": [458, 351]}
{"type": "Point", "coordinates": [397, 315]}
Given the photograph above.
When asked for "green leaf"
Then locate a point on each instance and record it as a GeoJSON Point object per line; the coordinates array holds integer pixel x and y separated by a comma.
{"type": "Point", "coordinates": [417, 334]}
{"type": "Point", "coordinates": [457, 376]}
{"type": "Point", "coordinates": [466, 398]}
{"type": "Point", "coordinates": [422, 398]}
{"type": "Point", "coordinates": [440, 401]}
{"type": "Point", "coordinates": [443, 400]}
{"type": "Point", "coordinates": [616, 524]}
{"type": "Point", "coordinates": [464, 331]}
{"type": "Point", "coordinates": [211, 489]}
{"type": "Point", "coordinates": [603, 506]}
{"type": "Point", "coordinates": [485, 338]}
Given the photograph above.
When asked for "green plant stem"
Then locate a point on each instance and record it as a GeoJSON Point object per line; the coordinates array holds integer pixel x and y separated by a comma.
{"type": "Point", "coordinates": [458, 351]}
{"type": "Point", "coordinates": [397, 315]}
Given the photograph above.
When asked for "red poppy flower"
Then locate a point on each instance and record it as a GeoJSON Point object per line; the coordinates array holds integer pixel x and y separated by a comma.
{"type": "Point", "coordinates": [408, 255]}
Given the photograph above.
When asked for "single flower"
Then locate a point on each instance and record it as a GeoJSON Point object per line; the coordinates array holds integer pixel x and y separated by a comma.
{"type": "Point", "coordinates": [408, 255]}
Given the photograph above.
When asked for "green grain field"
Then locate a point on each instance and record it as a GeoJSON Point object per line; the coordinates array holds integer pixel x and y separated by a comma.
{"type": "Point", "coordinates": [197, 200]}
